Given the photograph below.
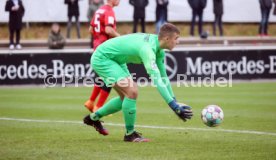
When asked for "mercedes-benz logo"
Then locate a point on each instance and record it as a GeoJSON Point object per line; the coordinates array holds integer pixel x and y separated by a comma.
{"type": "Point", "coordinates": [171, 65]}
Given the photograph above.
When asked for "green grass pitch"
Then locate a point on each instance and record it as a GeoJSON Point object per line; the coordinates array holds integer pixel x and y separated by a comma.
{"type": "Point", "coordinates": [248, 131]}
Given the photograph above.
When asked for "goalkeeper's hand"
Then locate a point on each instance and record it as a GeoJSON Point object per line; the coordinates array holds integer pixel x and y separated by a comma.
{"type": "Point", "coordinates": [183, 111]}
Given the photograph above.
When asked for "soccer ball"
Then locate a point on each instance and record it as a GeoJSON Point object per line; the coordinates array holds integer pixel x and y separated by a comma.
{"type": "Point", "coordinates": [212, 115]}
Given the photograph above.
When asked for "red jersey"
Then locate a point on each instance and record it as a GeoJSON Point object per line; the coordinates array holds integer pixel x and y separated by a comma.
{"type": "Point", "coordinates": [103, 17]}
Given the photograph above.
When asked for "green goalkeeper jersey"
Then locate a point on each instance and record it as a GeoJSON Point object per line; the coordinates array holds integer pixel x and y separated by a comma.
{"type": "Point", "coordinates": [139, 48]}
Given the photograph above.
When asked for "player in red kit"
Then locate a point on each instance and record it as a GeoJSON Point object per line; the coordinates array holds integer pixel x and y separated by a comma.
{"type": "Point", "coordinates": [102, 27]}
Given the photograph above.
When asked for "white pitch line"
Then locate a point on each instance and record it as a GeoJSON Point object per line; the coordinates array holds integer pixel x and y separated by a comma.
{"type": "Point", "coordinates": [144, 126]}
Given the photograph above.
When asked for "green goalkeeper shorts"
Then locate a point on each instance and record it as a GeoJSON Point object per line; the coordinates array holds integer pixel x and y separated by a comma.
{"type": "Point", "coordinates": [109, 70]}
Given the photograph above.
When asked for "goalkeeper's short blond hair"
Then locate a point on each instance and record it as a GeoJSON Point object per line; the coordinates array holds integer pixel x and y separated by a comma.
{"type": "Point", "coordinates": [168, 29]}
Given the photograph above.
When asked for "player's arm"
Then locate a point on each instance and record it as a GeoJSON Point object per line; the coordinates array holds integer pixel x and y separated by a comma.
{"type": "Point", "coordinates": [149, 61]}
{"type": "Point", "coordinates": [109, 22]}
{"type": "Point", "coordinates": [148, 57]}
{"type": "Point", "coordinates": [109, 30]}
{"type": "Point", "coordinates": [90, 29]}
{"type": "Point", "coordinates": [162, 69]}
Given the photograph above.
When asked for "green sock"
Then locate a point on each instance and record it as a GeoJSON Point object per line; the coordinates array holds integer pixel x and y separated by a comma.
{"type": "Point", "coordinates": [129, 111]}
{"type": "Point", "coordinates": [95, 116]}
{"type": "Point", "coordinates": [112, 106]}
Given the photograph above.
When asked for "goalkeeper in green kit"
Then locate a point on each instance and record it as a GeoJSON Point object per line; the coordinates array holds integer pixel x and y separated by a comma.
{"type": "Point", "coordinates": [110, 61]}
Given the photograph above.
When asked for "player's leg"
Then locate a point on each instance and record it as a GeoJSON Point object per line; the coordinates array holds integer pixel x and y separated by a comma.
{"type": "Point", "coordinates": [112, 106]}
{"type": "Point", "coordinates": [130, 91]}
{"type": "Point", "coordinates": [89, 104]}
{"type": "Point", "coordinates": [129, 88]}
{"type": "Point", "coordinates": [105, 90]}
{"type": "Point", "coordinates": [114, 73]}
{"type": "Point", "coordinates": [103, 95]}
{"type": "Point", "coordinates": [111, 72]}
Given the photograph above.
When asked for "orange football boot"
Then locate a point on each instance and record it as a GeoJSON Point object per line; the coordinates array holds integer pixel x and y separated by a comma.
{"type": "Point", "coordinates": [89, 105]}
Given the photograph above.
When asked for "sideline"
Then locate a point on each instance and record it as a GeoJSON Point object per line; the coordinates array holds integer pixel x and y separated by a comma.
{"type": "Point", "coordinates": [145, 126]}
{"type": "Point", "coordinates": [236, 81]}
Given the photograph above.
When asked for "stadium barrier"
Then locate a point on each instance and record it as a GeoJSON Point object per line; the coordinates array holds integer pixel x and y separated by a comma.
{"type": "Point", "coordinates": [183, 41]}
{"type": "Point", "coordinates": [243, 63]}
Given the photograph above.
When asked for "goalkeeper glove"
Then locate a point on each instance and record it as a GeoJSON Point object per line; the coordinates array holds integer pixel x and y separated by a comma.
{"type": "Point", "coordinates": [183, 111]}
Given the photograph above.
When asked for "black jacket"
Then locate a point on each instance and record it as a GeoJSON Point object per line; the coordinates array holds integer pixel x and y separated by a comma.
{"type": "Point", "coordinates": [139, 7]}
{"type": "Point", "coordinates": [15, 17]}
{"type": "Point", "coordinates": [56, 38]}
{"type": "Point", "coordinates": [161, 6]}
{"type": "Point", "coordinates": [197, 4]}
{"type": "Point", "coordinates": [266, 4]}
{"type": "Point", "coordinates": [73, 7]}
{"type": "Point", "coordinates": [274, 12]}
{"type": "Point", "coordinates": [218, 7]}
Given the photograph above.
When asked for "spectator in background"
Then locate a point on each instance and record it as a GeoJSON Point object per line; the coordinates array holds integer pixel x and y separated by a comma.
{"type": "Point", "coordinates": [55, 39]}
{"type": "Point", "coordinates": [197, 11]}
{"type": "Point", "coordinates": [161, 13]}
{"type": "Point", "coordinates": [139, 13]}
{"type": "Point", "coordinates": [265, 6]}
{"type": "Point", "coordinates": [93, 6]}
{"type": "Point", "coordinates": [274, 12]}
{"type": "Point", "coordinates": [16, 9]}
{"type": "Point", "coordinates": [73, 11]}
{"type": "Point", "coordinates": [218, 11]}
